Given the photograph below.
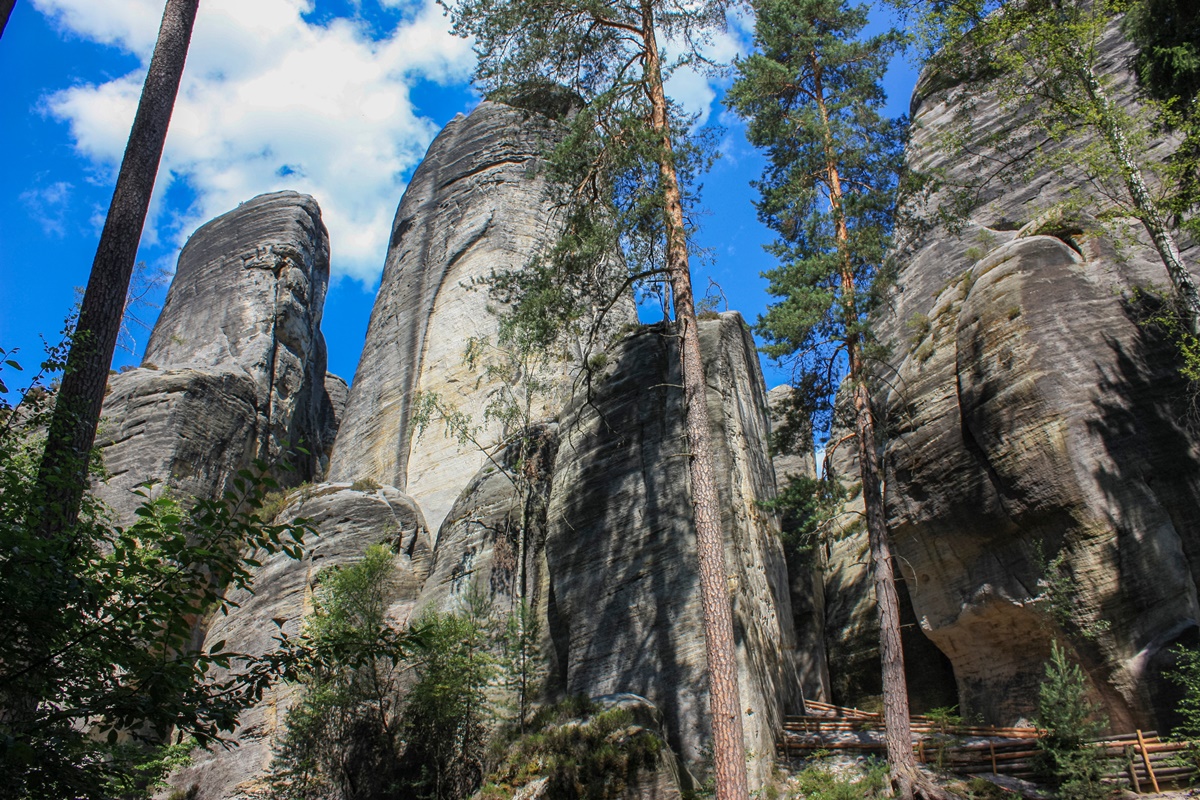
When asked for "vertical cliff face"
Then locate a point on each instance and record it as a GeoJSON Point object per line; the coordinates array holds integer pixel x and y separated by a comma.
{"type": "Point", "coordinates": [235, 367]}
{"type": "Point", "coordinates": [1031, 415]}
{"type": "Point", "coordinates": [248, 293]}
{"type": "Point", "coordinates": [589, 522]}
{"type": "Point", "coordinates": [624, 608]}
{"type": "Point", "coordinates": [477, 205]}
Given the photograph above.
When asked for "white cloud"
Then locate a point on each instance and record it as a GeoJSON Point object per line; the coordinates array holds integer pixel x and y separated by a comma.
{"type": "Point", "coordinates": [271, 101]}
{"type": "Point", "coordinates": [48, 206]}
{"type": "Point", "coordinates": [695, 88]}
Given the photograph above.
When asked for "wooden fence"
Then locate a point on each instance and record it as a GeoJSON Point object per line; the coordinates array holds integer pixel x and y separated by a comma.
{"type": "Point", "coordinates": [1139, 760]}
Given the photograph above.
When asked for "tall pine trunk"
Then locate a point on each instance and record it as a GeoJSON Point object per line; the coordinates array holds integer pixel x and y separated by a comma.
{"type": "Point", "coordinates": [729, 748]}
{"type": "Point", "coordinates": [63, 473]}
{"type": "Point", "coordinates": [6, 7]}
{"type": "Point", "coordinates": [897, 724]}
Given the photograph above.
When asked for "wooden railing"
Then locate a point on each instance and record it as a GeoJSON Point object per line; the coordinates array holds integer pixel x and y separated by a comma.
{"type": "Point", "coordinates": [1141, 760]}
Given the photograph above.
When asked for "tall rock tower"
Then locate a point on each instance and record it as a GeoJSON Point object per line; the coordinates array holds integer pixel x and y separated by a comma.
{"type": "Point", "coordinates": [235, 367]}
{"type": "Point", "coordinates": [477, 205]}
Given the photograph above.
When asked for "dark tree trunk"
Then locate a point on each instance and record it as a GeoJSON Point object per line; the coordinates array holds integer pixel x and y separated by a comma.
{"type": "Point", "coordinates": [6, 7]}
{"type": "Point", "coordinates": [729, 744]}
{"type": "Point", "coordinates": [62, 476]}
{"type": "Point", "coordinates": [897, 729]}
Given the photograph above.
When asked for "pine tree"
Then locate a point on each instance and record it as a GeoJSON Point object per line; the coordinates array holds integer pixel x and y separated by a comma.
{"type": "Point", "coordinates": [627, 160]}
{"type": "Point", "coordinates": [63, 472]}
{"type": "Point", "coordinates": [812, 95]}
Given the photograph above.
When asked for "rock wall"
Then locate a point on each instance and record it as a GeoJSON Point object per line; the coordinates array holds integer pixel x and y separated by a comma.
{"type": "Point", "coordinates": [476, 205]}
{"type": "Point", "coordinates": [624, 611]}
{"type": "Point", "coordinates": [1032, 415]}
{"type": "Point", "coordinates": [349, 521]}
{"type": "Point", "coordinates": [235, 367]}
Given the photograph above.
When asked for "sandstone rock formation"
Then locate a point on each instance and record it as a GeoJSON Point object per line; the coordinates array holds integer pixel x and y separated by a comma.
{"type": "Point", "coordinates": [349, 521]}
{"type": "Point", "coordinates": [624, 609]}
{"type": "Point", "coordinates": [583, 513]}
{"type": "Point", "coordinates": [235, 367]}
{"type": "Point", "coordinates": [1031, 415]}
{"type": "Point", "coordinates": [476, 205]}
{"type": "Point", "coordinates": [608, 562]}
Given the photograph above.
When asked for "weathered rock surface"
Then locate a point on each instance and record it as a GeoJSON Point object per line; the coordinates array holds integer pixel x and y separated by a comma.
{"type": "Point", "coordinates": [624, 608]}
{"type": "Point", "coordinates": [666, 779]}
{"type": "Point", "coordinates": [235, 367]}
{"type": "Point", "coordinates": [476, 205]}
{"type": "Point", "coordinates": [805, 565]}
{"type": "Point", "coordinates": [190, 429]}
{"type": "Point", "coordinates": [349, 521]}
{"type": "Point", "coordinates": [493, 541]}
{"type": "Point", "coordinates": [1031, 415]}
{"type": "Point", "coordinates": [248, 294]}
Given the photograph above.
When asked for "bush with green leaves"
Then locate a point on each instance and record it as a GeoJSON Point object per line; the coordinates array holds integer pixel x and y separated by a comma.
{"type": "Point", "coordinates": [1069, 720]}
{"type": "Point", "coordinates": [97, 622]}
{"type": "Point", "coordinates": [341, 739]}
{"type": "Point", "coordinates": [821, 782]}
{"type": "Point", "coordinates": [448, 715]}
{"type": "Point", "coordinates": [1186, 675]}
{"type": "Point", "coordinates": [384, 712]}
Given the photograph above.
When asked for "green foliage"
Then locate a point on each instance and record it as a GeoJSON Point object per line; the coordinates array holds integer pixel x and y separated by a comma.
{"type": "Point", "coordinates": [96, 623]}
{"type": "Point", "coordinates": [1069, 720]}
{"type": "Point", "coordinates": [919, 327]}
{"type": "Point", "coordinates": [980, 789]}
{"type": "Point", "coordinates": [341, 737]}
{"type": "Point", "coordinates": [1060, 593]}
{"type": "Point", "coordinates": [1168, 35]}
{"type": "Point", "coordinates": [447, 716]}
{"type": "Point", "coordinates": [944, 718]}
{"type": "Point", "coordinates": [1044, 64]}
{"type": "Point", "coordinates": [520, 663]}
{"type": "Point", "coordinates": [820, 782]}
{"type": "Point", "coordinates": [381, 712]}
{"type": "Point", "coordinates": [1186, 675]}
{"type": "Point", "coordinates": [607, 159]}
{"type": "Point", "coordinates": [809, 507]}
{"type": "Point", "coordinates": [813, 96]}
{"type": "Point", "coordinates": [583, 753]}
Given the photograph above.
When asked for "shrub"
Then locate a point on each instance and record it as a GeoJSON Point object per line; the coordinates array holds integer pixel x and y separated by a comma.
{"type": "Point", "coordinates": [340, 739]}
{"type": "Point", "coordinates": [1070, 721]}
{"type": "Point", "coordinates": [820, 782]}
{"type": "Point", "coordinates": [582, 752]}
{"type": "Point", "coordinates": [97, 665]}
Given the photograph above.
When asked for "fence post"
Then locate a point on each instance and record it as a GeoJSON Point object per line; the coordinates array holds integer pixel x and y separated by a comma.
{"type": "Point", "coordinates": [1146, 761]}
{"type": "Point", "coordinates": [1133, 778]}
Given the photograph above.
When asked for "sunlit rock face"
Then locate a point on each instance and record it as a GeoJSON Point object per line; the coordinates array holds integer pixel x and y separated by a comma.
{"type": "Point", "coordinates": [235, 367]}
{"type": "Point", "coordinates": [478, 204]}
{"type": "Point", "coordinates": [1029, 414]}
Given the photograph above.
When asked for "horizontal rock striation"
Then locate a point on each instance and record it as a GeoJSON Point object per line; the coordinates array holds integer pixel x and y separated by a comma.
{"type": "Point", "coordinates": [624, 605]}
{"type": "Point", "coordinates": [1030, 414]}
{"type": "Point", "coordinates": [235, 367]}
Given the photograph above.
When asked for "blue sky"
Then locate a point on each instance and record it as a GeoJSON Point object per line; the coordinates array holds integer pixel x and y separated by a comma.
{"type": "Point", "coordinates": [337, 98]}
